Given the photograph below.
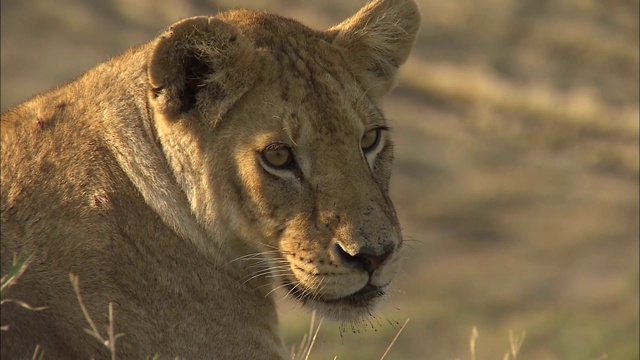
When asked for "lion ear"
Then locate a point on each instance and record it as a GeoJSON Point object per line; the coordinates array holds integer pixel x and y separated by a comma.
{"type": "Point", "coordinates": [378, 39]}
{"type": "Point", "coordinates": [200, 63]}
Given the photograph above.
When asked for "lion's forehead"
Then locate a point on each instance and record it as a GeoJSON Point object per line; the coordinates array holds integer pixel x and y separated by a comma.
{"type": "Point", "coordinates": [313, 74]}
{"type": "Point", "coordinates": [321, 92]}
{"type": "Point", "coordinates": [312, 96]}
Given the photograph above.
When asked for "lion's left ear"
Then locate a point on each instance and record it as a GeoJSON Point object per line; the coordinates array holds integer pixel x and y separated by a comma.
{"type": "Point", "coordinates": [378, 39]}
{"type": "Point", "coordinates": [202, 64]}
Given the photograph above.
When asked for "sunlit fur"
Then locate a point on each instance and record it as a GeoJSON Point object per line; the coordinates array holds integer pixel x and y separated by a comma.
{"type": "Point", "coordinates": [143, 177]}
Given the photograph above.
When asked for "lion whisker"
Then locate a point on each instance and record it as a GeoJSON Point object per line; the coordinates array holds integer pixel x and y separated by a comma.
{"type": "Point", "coordinates": [261, 273]}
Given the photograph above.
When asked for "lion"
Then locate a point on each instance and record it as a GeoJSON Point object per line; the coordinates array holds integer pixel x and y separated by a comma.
{"type": "Point", "coordinates": [189, 178]}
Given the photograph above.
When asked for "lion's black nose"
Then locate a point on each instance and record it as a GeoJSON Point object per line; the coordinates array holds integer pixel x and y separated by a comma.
{"type": "Point", "coordinates": [366, 258]}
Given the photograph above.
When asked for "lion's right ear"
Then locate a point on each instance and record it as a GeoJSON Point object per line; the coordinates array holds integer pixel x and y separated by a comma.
{"type": "Point", "coordinates": [378, 39]}
{"type": "Point", "coordinates": [199, 64]}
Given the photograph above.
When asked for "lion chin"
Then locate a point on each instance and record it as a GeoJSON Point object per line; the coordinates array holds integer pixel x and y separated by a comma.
{"type": "Point", "coordinates": [349, 308]}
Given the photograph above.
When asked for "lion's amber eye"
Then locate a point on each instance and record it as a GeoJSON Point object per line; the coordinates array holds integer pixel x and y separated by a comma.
{"type": "Point", "coordinates": [278, 156]}
{"type": "Point", "coordinates": [370, 139]}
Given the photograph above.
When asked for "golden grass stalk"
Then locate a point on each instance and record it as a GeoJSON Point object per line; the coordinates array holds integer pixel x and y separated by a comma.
{"type": "Point", "coordinates": [394, 339]}
{"type": "Point", "coordinates": [18, 268]}
{"type": "Point", "coordinates": [38, 353]}
{"type": "Point", "coordinates": [472, 343]}
{"type": "Point", "coordinates": [110, 341]}
{"type": "Point", "coordinates": [515, 342]}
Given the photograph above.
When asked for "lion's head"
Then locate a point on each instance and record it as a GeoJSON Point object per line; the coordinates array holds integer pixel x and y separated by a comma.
{"type": "Point", "coordinates": [273, 131]}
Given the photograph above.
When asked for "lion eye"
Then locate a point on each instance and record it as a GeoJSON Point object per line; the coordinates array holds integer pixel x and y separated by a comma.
{"type": "Point", "coordinates": [370, 140]}
{"type": "Point", "coordinates": [278, 156]}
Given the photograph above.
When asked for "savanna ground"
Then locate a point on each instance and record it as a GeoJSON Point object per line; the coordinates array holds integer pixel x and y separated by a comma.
{"type": "Point", "coordinates": [516, 127]}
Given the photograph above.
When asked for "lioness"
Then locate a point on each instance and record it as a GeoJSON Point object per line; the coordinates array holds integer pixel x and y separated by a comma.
{"type": "Point", "coordinates": [190, 177]}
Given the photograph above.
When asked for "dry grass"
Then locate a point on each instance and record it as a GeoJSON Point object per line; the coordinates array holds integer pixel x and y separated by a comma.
{"type": "Point", "coordinates": [478, 88]}
{"type": "Point", "coordinates": [303, 352]}
{"type": "Point", "coordinates": [109, 341]}
{"type": "Point", "coordinates": [394, 339]}
{"type": "Point", "coordinates": [18, 267]}
{"type": "Point", "coordinates": [305, 349]}
{"type": "Point", "coordinates": [515, 344]}
{"type": "Point", "coordinates": [308, 340]}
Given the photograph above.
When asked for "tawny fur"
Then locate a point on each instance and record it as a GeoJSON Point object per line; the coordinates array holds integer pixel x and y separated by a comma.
{"type": "Point", "coordinates": [144, 178]}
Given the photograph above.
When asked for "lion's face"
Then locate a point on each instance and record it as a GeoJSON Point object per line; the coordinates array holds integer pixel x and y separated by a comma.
{"type": "Point", "coordinates": [312, 161]}
{"type": "Point", "coordinates": [313, 177]}
{"type": "Point", "coordinates": [295, 168]}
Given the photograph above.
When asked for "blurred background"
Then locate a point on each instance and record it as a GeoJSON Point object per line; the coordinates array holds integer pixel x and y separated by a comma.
{"type": "Point", "coordinates": [516, 174]}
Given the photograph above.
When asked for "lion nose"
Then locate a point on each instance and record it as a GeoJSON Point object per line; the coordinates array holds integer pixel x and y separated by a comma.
{"type": "Point", "coordinates": [366, 258]}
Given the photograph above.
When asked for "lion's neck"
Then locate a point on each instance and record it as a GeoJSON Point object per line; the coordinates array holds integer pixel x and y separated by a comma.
{"type": "Point", "coordinates": [130, 137]}
{"type": "Point", "coordinates": [133, 138]}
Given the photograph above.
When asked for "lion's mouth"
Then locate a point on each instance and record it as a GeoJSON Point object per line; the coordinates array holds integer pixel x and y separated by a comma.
{"type": "Point", "coordinates": [361, 298]}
